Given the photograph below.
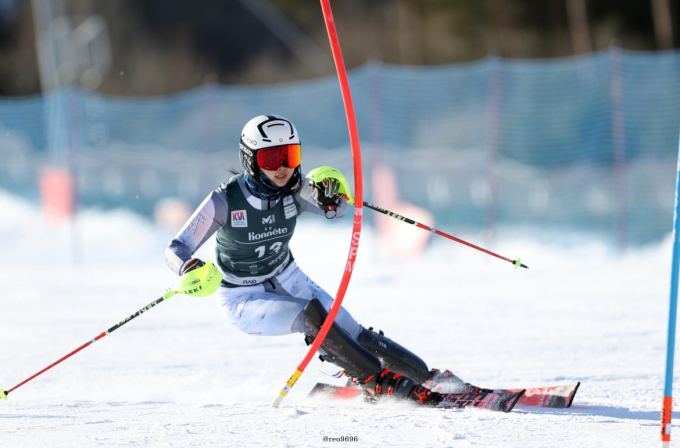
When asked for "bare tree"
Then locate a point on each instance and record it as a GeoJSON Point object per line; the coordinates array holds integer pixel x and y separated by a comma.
{"type": "Point", "coordinates": [509, 39]}
{"type": "Point", "coordinates": [578, 24]}
{"type": "Point", "coordinates": [663, 25]}
{"type": "Point", "coordinates": [410, 32]}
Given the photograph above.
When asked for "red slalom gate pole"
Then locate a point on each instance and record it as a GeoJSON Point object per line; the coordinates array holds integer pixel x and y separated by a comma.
{"type": "Point", "coordinates": [517, 263]}
{"type": "Point", "coordinates": [358, 192]}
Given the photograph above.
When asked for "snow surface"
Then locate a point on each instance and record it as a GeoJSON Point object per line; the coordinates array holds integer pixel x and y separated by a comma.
{"type": "Point", "coordinates": [180, 375]}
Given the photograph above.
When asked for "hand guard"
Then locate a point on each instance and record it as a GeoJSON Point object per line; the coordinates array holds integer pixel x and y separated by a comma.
{"type": "Point", "coordinates": [329, 186]}
{"type": "Point", "coordinates": [318, 175]}
{"type": "Point", "coordinates": [198, 279]}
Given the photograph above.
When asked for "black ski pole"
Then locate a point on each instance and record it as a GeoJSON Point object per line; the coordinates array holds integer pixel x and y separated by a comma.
{"type": "Point", "coordinates": [516, 263]}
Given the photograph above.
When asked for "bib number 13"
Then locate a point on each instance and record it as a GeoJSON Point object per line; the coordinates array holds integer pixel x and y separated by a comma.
{"type": "Point", "coordinates": [274, 248]}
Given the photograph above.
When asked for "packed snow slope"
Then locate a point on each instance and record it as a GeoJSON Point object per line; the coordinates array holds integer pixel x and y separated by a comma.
{"type": "Point", "coordinates": [180, 375]}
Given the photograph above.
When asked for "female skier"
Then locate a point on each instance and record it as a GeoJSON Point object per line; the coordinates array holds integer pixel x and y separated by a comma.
{"type": "Point", "coordinates": [263, 291]}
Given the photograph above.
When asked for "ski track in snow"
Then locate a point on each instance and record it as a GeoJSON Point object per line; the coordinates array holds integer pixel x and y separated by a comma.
{"type": "Point", "coordinates": [180, 375]}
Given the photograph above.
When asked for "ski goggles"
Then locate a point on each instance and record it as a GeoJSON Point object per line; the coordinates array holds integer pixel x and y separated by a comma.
{"type": "Point", "coordinates": [272, 158]}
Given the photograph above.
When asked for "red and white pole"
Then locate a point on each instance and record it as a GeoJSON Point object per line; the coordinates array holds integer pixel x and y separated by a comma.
{"type": "Point", "coordinates": [358, 209]}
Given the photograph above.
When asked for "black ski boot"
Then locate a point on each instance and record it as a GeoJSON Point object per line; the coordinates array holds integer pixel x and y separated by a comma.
{"type": "Point", "coordinates": [358, 362]}
{"type": "Point", "coordinates": [396, 385]}
{"type": "Point", "coordinates": [395, 357]}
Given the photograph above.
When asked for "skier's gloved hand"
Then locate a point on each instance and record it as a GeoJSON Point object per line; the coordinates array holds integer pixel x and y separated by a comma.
{"type": "Point", "coordinates": [326, 195]}
{"type": "Point", "coordinates": [198, 279]}
{"type": "Point", "coordinates": [190, 265]}
{"type": "Point", "coordinates": [329, 186]}
{"type": "Point", "coordinates": [326, 191]}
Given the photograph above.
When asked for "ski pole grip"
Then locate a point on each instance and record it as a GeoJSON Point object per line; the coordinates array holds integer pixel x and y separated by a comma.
{"type": "Point", "coordinates": [289, 385]}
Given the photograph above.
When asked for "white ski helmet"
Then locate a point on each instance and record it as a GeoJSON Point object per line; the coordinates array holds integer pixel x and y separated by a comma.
{"type": "Point", "coordinates": [266, 131]}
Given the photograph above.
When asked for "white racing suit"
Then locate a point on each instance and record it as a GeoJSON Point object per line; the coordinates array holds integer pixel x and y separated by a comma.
{"type": "Point", "coordinates": [264, 292]}
{"type": "Point", "coordinates": [276, 306]}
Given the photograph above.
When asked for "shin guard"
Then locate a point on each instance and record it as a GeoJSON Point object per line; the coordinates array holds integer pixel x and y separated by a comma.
{"type": "Point", "coordinates": [339, 347]}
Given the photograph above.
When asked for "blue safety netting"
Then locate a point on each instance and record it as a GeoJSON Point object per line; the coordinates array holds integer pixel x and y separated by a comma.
{"type": "Point", "coordinates": [586, 144]}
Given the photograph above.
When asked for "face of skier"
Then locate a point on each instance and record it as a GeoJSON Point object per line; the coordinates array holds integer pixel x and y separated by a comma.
{"type": "Point", "coordinates": [280, 176]}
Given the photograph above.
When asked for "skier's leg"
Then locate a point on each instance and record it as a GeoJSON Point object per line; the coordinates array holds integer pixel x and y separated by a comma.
{"type": "Point", "coordinates": [300, 285]}
{"type": "Point", "coordinates": [392, 355]}
{"type": "Point", "coordinates": [253, 310]}
{"type": "Point", "coordinates": [342, 350]}
{"type": "Point", "coordinates": [276, 307]}
{"type": "Point", "coordinates": [395, 357]}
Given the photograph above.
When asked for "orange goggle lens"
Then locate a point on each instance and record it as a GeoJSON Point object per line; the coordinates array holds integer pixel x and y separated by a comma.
{"type": "Point", "coordinates": [272, 158]}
